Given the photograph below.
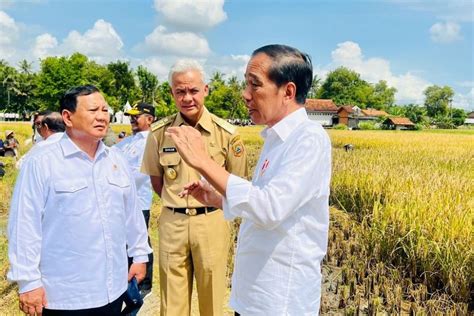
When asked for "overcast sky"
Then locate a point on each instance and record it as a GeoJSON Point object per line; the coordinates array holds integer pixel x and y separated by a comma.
{"type": "Point", "coordinates": [409, 43]}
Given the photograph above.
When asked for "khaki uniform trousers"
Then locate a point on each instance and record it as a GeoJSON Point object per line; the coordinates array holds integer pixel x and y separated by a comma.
{"type": "Point", "coordinates": [190, 245]}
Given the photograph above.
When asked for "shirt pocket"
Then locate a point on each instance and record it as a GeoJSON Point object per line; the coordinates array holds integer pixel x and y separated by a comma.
{"type": "Point", "coordinates": [120, 181]}
{"type": "Point", "coordinates": [72, 196]}
{"type": "Point", "coordinates": [117, 193]}
{"type": "Point", "coordinates": [172, 170]}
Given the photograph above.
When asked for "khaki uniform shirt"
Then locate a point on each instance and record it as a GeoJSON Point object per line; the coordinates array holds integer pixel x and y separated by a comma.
{"type": "Point", "coordinates": [161, 158]}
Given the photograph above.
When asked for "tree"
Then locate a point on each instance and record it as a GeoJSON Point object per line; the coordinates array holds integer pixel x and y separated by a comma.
{"type": "Point", "coordinates": [416, 114]}
{"type": "Point", "coordinates": [59, 74]}
{"type": "Point", "coordinates": [438, 100]}
{"type": "Point", "coordinates": [382, 96]}
{"type": "Point", "coordinates": [165, 102]}
{"type": "Point", "coordinates": [148, 83]}
{"type": "Point", "coordinates": [458, 116]}
{"type": "Point", "coordinates": [345, 87]}
{"type": "Point", "coordinates": [123, 87]}
{"type": "Point", "coordinates": [225, 99]}
{"type": "Point", "coordinates": [315, 85]}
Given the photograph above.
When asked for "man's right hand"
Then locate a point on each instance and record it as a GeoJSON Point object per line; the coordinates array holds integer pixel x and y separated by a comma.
{"type": "Point", "coordinates": [203, 192]}
{"type": "Point", "coordinates": [32, 302]}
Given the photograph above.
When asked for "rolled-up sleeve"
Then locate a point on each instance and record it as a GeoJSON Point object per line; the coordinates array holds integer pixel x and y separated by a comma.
{"type": "Point", "coordinates": [25, 229]}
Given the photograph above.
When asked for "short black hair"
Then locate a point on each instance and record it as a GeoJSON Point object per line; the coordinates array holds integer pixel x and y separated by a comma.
{"type": "Point", "coordinates": [54, 121]}
{"type": "Point", "coordinates": [69, 99]}
{"type": "Point", "coordinates": [289, 65]}
{"type": "Point", "coordinates": [43, 113]}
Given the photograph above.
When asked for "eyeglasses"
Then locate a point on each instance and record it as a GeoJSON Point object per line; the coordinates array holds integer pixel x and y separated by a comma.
{"type": "Point", "coordinates": [38, 124]}
{"type": "Point", "coordinates": [135, 117]}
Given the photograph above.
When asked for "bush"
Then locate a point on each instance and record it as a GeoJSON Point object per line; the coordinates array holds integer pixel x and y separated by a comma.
{"type": "Point", "coordinates": [368, 126]}
{"type": "Point", "coordinates": [341, 127]}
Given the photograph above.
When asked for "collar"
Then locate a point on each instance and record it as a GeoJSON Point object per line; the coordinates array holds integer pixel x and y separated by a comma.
{"type": "Point", "coordinates": [54, 137]}
{"type": "Point", "coordinates": [287, 125]}
{"type": "Point", "coordinates": [69, 148]}
{"type": "Point", "coordinates": [205, 121]}
{"type": "Point", "coordinates": [143, 134]}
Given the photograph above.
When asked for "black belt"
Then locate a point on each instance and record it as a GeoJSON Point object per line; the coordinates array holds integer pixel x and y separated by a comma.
{"type": "Point", "coordinates": [192, 211]}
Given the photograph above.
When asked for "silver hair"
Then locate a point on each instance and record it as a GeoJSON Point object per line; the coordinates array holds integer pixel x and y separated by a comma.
{"type": "Point", "coordinates": [183, 65]}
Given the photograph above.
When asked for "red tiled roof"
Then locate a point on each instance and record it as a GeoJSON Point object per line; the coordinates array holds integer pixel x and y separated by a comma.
{"type": "Point", "coordinates": [374, 112]}
{"type": "Point", "coordinates": [401, 121]}
{"type": "Point", "coordinates": [320, 105]}
{"type": "Point", "coordinates": [347, 108]}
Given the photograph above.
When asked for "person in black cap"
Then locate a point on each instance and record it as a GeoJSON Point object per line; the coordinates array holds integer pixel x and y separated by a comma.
{"type": "Point", "coordinates": [142, 115]}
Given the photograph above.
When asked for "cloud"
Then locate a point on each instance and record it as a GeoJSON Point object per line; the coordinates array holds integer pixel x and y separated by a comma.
{"type": "Point", "coordinates": [9, 35]}
{"type": "Point", "coordinates": [157, 66]}
{"type": "Point", "coordinates": [45, 45]}
{"type": "Point", "coordinates": [101, 42]}
{"type": "Point", "coordinates": [409, 86]}
{"type": "Point", "coordinates": [190, 14]}
{"type": "Point", "coordinates": [464, 101]}
{"type": "Point", "coordinates": [452, 10]}
{"type": "Point", "coordinates": [176, 43]}
{"type": "Point", "coordinates": [445, 32]}
{"type": "Point", "coordinates": [230, 66]}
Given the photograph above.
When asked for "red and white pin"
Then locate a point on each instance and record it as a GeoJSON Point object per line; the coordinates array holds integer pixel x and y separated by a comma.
{"type": "Point", "coordinates": [264, 167]}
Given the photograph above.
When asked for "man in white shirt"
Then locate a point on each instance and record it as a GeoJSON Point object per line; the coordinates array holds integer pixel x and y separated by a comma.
{"type": "Point", "coordinates": [50, 126]}
{"type": "Point", "coordinates": [142, 116]}
{"type": "Point", "coordinates": [284, 210]}
{"type": "Point", "coordinates": [72, 215]}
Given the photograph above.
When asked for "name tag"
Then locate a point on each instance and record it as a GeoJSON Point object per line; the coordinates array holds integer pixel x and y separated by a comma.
{"type": "Point", "coordinates": [169, 150]}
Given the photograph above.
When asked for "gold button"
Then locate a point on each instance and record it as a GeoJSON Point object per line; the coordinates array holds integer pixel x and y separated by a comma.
{"type": "Point", "coordinates": [171, 173]}
{"type": "Point", "coordinates": [191, 211]}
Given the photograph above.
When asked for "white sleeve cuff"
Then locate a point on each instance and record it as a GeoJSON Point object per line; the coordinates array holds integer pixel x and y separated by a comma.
{"type": "Point", "coordinates": [140, 259]}
{"type": "Point", "coordinates": [237, 192]}
{"type": "Point", "coordinates": [26, 286]}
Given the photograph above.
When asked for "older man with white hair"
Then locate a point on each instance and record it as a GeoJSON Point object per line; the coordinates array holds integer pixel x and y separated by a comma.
{"type": "Point", "coordinates": [194, 237]}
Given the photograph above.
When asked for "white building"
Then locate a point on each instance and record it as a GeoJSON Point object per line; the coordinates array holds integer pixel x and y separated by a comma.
{"type": "Point", "coordinates": [321, 110]}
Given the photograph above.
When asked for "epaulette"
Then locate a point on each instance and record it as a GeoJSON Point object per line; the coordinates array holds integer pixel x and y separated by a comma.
{"type": "Point", "coordinates": [224, 124]}
{"type": "Point", "coordinates": [163, 122]}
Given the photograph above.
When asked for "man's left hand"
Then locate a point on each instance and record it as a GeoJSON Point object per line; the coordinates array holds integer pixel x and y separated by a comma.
{"type": "Point", "coordinates": [137, 270]}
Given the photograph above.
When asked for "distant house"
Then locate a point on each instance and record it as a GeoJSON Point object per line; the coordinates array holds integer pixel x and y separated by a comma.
{"type": "Point", "coordinates": [398, 123]}
{"type": "Point", "coordinates": [353, 115]}
{"type": "Point", "coordinates": [469, 119]}
{"type": "Point", "coordinates": [321, 110]}
{"type": "Point", "coordinates": [349, 115]}
{"type": "Point", "coordinates": [373, 113]}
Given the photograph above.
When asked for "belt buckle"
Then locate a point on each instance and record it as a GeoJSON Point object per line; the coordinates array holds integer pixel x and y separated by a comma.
{"type": "Point", "coordinates": [191, 211]}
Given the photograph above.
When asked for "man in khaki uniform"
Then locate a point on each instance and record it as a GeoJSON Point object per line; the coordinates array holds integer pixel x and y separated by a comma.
{"type": "Point", "coordinates": [194, 238]}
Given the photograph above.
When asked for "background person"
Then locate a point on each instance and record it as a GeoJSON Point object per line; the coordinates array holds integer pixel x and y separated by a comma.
{"type": "Point", "coordinates": [141, 117]}
{"type": "Point", "coordinates": [194, 237]}
{"type": "Point", "coordinates": [284, 210]}
{"type": "Point", "coordinates": [50, 126]}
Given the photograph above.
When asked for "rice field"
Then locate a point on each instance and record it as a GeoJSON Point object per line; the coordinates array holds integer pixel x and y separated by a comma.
{"type": "Point", "coordinates": [402, 217]}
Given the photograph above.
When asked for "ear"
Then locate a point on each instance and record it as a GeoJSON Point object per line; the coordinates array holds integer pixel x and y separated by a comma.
{"type": "Point", "coordinates": [66, 114]}
{"type": "Point", "coordinates": [290, 91]}
{"type": "Point", "coordinates": [206, 90]}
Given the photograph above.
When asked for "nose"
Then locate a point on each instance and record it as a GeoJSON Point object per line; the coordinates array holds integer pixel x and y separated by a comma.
{"type": "Point", "coordinates": [103, 116]}
{"type": "Point", "coordinates": [246, 94]}
{"type": "Point", "coordinates": [187, 97]}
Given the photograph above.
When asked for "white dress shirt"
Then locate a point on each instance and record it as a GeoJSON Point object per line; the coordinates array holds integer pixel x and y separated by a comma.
{"type": "Point", "coordinates": [71, 218]}
{"type": "Point", "coordinates": [134, 148]}
{"type": "Point", "coordinates": [285, 218]}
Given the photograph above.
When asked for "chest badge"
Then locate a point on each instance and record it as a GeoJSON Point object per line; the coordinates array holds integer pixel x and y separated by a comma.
{"type": "Point", "coordinates": [264, 167]}
{"type": "Point", "coordinates": [171, 173]}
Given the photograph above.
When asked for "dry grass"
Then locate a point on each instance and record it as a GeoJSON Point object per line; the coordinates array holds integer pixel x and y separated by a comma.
{"type": "Point", "coordinates": [403, 242]}
{"type": "Point", "coordinates": [414, 195]}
